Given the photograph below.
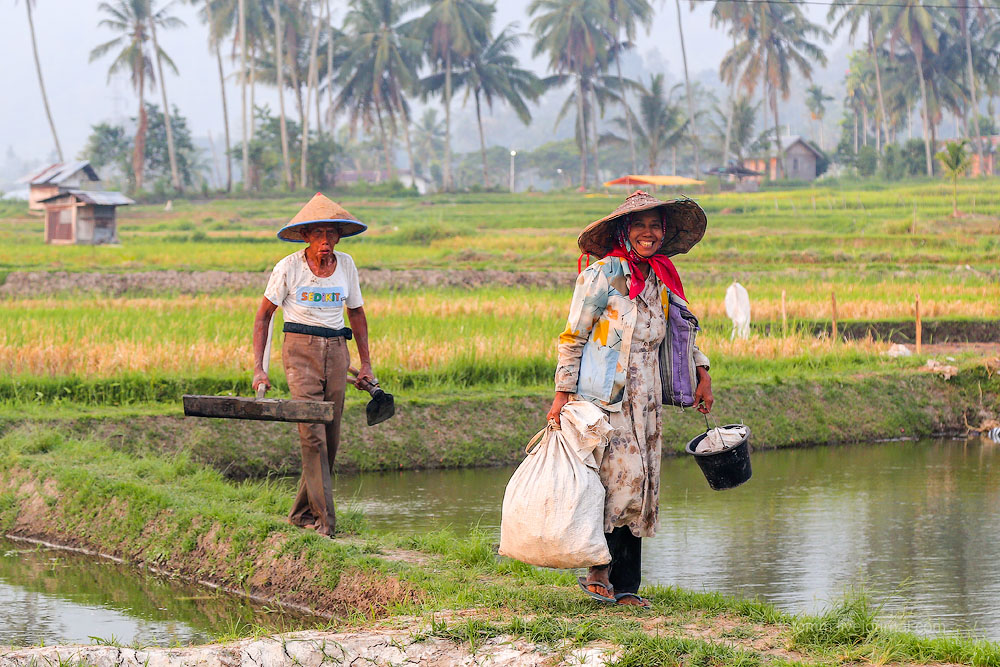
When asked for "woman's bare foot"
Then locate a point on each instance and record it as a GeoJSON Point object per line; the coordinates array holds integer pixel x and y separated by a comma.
{"type": "Point", "coordinates": [602, 584]}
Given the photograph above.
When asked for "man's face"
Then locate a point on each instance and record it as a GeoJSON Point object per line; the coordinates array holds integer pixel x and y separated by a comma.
{"type": "Point", "coordinates": [321, 237]}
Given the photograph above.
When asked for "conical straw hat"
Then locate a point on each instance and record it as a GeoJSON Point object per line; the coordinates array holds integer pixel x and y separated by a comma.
{"type": "Point", "coordinates": [321, 209]}
{"type": "Point", "coordinates": [686, 224]}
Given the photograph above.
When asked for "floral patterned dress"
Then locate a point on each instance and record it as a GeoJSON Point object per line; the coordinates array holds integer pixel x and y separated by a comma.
{"type": "Point", "coordinates": [630, 470]}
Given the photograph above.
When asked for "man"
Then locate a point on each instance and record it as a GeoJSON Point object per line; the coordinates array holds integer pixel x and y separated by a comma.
{"type": "Point", "coordinates": [313, 286]}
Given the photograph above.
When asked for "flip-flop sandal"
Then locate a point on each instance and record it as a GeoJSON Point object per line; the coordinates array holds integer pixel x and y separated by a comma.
{"type": "Point", "coordinates": [597, 596]}
{"type": "Point", "coordinates": [644, 603]}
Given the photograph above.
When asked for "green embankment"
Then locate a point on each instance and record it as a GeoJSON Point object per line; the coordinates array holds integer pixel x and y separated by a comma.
{"type": "Point", "coordinates": [484, 428]}
{"type": "Point", "coordinates": [184, 518]}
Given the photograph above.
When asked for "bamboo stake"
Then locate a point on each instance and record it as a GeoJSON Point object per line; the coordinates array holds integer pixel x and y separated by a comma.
{"type": "Point", "coordinates": [919, 327]}
{"type": "Point", "coordinates": [833, 302]}
{"type": "Point", "coordinates": [784, 316]}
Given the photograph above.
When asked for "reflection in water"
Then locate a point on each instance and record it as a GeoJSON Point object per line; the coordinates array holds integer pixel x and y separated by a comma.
{"type": "Point", "coordinates": [50, 596]}
{"type": "Point", "coordinates": [914, 523]}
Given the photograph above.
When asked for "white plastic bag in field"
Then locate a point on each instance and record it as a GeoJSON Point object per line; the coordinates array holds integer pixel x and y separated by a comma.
{"type": "Point", "coordinates": [553, 508]}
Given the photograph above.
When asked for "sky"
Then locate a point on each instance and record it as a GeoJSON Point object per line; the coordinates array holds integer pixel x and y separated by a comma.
{"type": "Point", "coordinates": [81, 95]}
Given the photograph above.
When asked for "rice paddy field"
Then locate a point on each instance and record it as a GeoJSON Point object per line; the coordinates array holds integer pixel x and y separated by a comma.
{"type": "Point", "coordinates": [874, 248]}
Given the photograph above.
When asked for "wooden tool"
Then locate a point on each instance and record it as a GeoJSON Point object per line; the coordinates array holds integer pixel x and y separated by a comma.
{"type": "Point", "coordinates": [381, 407]}
{"type": "Point", "coordinates": [259, 408]}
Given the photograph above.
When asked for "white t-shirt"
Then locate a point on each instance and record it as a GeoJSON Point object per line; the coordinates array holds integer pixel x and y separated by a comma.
{"type": "Point", "coordinates": [308, 299]}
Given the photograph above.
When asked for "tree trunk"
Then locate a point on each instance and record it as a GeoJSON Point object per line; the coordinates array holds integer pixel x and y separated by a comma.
{"type": "Point", "coordinates": [970, 72]}
{"type": "Point", "coordinates": [446, 171]}
{"type": "Point", "coordinates": [175, 178]}
{"type": "Point", "coordinates": [780, 157]}
{"type": "Point", "coordinates": [924, 114]}
{"type": "Point", "coordinates": [729, 120]}
{"type": "Point", "coordinates": [279, 64]}
{"type": "Point", "coordinates": [597, 137]}
{"type": "Point", "coordinates": [253, 89]}
{"type": "Point", "coordinates": [878, 80]}
{"type": "Point", "coordinates": [855, 131]}
{"type": "Point", "coordinates": [225, 108]}
{"type": "Point", "coordinates": [628, 113]}
{"type": "Point", "coordinates": [581, 126]}
{"type": "Point", "coordinates": [311, 84]}
{"type": "Point", "coordinates": [241, 10]}
{"type": "Point", "coordinates": [329, 67]}
{"type": "Point", "coordinates": [482, 141]}
{"type": "Point", "coordinates": [385, 141]}
{"type": "Point", "coordinates": [690, 100]}
{"type": "Point", "coordinates": [864, 125]}
{"type": "Point", "coordinates": [139, 151]}
{"type": "Point", "coordinates": [409, 151]}
{"type": "Point", "coordinates": [41, 83]}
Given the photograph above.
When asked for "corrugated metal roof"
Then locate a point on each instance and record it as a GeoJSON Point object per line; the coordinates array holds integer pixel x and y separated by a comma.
{"type": "Point", "coordinates": [96, 197]}
{"type": "Point", "coordinates": [57, 173]}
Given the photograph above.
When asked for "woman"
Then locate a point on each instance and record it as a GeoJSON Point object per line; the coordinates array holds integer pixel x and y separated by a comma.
{"type": "Point", "coordinates": [314, 286]}
{"type": "Point", "coordinates": [610, 354]}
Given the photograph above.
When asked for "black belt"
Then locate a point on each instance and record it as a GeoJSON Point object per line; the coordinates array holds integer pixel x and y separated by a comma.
{"type": "Point", "coordinates": [295, 327]}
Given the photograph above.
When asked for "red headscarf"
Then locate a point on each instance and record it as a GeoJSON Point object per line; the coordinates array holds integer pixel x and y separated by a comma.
{"type": "Point", "coordinates": [661, 265]}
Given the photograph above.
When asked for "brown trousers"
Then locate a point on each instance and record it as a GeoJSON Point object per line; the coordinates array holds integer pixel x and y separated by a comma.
{"type": "Point", "coordinates": [316, 369]}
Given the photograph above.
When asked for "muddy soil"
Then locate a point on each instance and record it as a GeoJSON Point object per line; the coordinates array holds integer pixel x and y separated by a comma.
{"type": "Point", "coordinates": [36, 284]}
{"type": "Point", "coordinates": [904, 331]}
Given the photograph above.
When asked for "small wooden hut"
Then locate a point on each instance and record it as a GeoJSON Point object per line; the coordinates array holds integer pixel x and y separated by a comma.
{"type": "Point", "coordinates": [83, 216]}
{"type": "Point", "coordinates": [58, 177]}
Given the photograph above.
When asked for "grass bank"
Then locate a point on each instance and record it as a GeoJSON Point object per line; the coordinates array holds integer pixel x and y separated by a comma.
{"type": "Point", "coordinates": [439, 431]}
{"type": "Point", "coordinates": [185, 518]}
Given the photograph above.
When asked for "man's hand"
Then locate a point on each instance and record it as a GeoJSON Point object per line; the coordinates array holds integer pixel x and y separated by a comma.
{"type": "Point", "coordinates": [561, 399]}
{"type": "Point", "coordinates": [260, 377]}
{"type": "Point", "coordinates": [365, 377]}
{"type": "Point", "coordinates": [703, 398]}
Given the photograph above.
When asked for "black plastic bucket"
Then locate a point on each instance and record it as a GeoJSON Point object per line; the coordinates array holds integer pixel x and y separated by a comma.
{"type": "Point", "coordinates": [726, 469]}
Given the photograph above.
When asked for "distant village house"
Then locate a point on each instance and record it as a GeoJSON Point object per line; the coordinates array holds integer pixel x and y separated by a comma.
{"type": "Point", "coordinates": [75, 210]}
{"type": "Point", "coordinates": [800, 161]}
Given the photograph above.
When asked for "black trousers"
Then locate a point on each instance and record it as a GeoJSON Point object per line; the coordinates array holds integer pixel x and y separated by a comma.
{"type": "Point", "coordinates": [626, 559]}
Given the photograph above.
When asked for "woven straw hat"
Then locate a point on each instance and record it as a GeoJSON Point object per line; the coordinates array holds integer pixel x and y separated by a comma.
{"type": "Point", "coordinates": [686, 224]}
{"type": "Point", "coordinates": [321, 209]}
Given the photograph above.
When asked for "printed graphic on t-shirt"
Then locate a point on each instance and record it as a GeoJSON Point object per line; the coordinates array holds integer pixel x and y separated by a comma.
{"type": "Point", "coordinates": [320, 297]}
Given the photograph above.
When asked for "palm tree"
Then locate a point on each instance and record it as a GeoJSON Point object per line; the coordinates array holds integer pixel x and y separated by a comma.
{"type": "Point", "coordinates": [164, 20]}
{"type": "Point", "coordinates": [41, 82]}
{"type": "Point", "coordinates": [737, 16]}
{"type": "Point", "coordinates": [740, 128]}
{"type": "Point", "coordinates": [492, 73]}
{"type": "Point", "coordinates": [816, 101]}
{"type": "Point", "coordinates": [690, 101]}
{"type": "Point", "coordinates": [660, 125]}
{"type": "Point", "coordinates": [312, 84]}
{"type": "Point", "coordinates": [852, 13]}
{"type": "Point", "coordinates": [966, 19]}
{"type": "Point", "coordinates": [573, 34]}
{"type": "Point", "coordinates": [776, 39]}
{"type": "Point", "coordinates": [130, 18]}
{"type": "Point", "coordinates": [380, 66]}
{"type": "Point", "coordinates": [216, 31]}
{"type": "Point", "coordinates": [451, 31]}
{"type": "Point", "coordinates": [956, 161]}
{"type": "Point", "coordinates": [625, 14]}
{"type": "Point", "coordinates": [429, 139]}
{"type": "Point", "coordinates": [916, 25]}
{"type": "Point", "coordinates": [279, 70]}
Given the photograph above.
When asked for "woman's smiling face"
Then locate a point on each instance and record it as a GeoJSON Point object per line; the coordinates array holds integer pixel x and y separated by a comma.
{"type": "Point", "coordinates": [646, 233]}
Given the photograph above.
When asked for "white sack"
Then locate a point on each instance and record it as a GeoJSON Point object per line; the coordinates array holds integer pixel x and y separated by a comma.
{"type": "Point", "coordinates": [553, 508]}
{"type": "Point", "coordinates": [720, 439]}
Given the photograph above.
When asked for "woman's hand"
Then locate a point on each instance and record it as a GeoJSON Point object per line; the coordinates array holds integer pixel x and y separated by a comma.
{"type": "Point", "coordinates": [561, 399]}
{"type": "Point", "coordinates": [703, 398]}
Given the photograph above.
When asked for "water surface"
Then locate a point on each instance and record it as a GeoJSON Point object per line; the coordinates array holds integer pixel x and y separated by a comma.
{"type": "Point", "coordinates": [915, 523]}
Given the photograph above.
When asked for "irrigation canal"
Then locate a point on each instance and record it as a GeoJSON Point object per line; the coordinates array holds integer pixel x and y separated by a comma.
{"type": "Point", "coordinates": [914, 523]}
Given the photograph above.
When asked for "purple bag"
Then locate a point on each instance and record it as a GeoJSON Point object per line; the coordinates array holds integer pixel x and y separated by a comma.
{"type": "Point", "coordinates": [677, 372]}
